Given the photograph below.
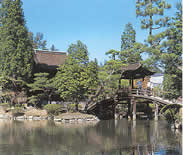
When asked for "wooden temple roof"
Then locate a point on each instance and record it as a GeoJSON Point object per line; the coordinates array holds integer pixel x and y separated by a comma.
{"type": "Point", "coordinates": [135, 71]}
{"type": "Point", "coordinates": [48, 61]}
{"type": "Point", "coordinates": [50, 58]}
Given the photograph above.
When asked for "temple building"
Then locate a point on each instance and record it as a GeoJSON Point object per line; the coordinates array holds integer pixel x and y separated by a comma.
{"type": "Point", "coordinates": [48, 61]}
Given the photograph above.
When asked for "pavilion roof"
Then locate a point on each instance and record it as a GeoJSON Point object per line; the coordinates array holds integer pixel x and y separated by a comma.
{"type": "Point", "coordinates": [135, 71]}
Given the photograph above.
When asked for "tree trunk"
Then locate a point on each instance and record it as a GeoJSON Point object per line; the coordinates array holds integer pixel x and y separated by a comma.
{"type": "Point", "coordinates": [76, 106]}
{"type": "Point", "coordinates": [150, 24]}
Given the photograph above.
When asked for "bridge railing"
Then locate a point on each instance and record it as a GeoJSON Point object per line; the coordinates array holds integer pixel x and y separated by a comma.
{"type": "Point", "coordinates": [151, 93]}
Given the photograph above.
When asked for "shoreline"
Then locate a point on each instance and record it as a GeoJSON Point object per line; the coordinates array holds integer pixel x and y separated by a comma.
{"type": "Point", "coordinates": [63, 118]}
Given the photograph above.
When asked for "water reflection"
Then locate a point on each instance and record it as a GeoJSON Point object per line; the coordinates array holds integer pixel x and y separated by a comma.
{"type": "Point", "coordinates": [104, 138]}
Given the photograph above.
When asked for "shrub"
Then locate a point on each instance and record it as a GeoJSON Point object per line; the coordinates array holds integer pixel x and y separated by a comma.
{"type": "Point", "coordinates": [53, 109]}
{"type": "Point", "coordinates": [17, 111]}
{"type": "Point", "coordinates": [72, 107]}
{"type": "Point", "coordinates": [5, 106]}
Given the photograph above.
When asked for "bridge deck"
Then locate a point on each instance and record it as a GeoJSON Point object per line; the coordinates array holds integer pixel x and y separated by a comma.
{"type": "Point", "coordinates": [124, 94]}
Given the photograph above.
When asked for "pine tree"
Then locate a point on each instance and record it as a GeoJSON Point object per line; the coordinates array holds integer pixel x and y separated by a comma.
{"type": "Point", "coordinates": [75, 79]}
{"type": "Point", "coordinates": [171, 56]}
{"type": "Point", "coordinates": [41, 89]}
{"type": "Point", "coordinates": [78, 52]}
{"type": "Point", "coordinates": [38, 41]}
{"type": "Point", "coordinates": [153, 18]}
{"type": "Point", "coordinates": [16, 52]}
{"type": "Point", "coordinates": [152, 13]}
{"type": "Point", "coordinates": [130, 49]}
{"type": "Point", "coordinates": [53, 48]}
{"type": "Point", "coordinates": [113, 53]}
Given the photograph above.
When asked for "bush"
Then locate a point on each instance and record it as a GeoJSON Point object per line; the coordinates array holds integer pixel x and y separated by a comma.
{"type": "Point", "coordinates": [5, 106]}
{"type": "Point", "coordinates": [72, 107]}
{"type": "Point", "coordinates": [53, 109]}
{"type": "Point", "coordinates": [17, 111]}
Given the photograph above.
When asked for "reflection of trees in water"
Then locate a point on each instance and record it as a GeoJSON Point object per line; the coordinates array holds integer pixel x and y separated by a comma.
{"type": "Point", "coordinates": [106, 137]}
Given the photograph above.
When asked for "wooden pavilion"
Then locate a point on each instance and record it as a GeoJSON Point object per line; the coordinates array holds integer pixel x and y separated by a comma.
{"type": "Point", "coordinates": [134, 71]}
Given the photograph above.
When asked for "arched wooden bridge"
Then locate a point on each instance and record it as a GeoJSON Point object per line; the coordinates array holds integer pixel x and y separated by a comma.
{"type": "Point", "coordinates": [105, 109]}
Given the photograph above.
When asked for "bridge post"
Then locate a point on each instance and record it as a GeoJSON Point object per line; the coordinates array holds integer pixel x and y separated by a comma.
{"type": "Point", "coordinates": [156, 112]}
{"type": "Point", "coordinates": [148, 111]}
{"type": "Point", "coordinates": [134, 108]}
{"type": "Point", "coordinates": [129, 110]}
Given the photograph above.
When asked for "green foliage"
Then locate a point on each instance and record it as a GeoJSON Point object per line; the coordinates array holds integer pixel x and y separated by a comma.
{"type": "Point", "coordinates": [71, 107]}
{"type": "Point", "coordinates": [77, 76]}
{"type": "Point", "coordinates": [128, 37]}
{"type": "Point", "coordinates": [38, 41]}
{"type": "Point", "coordinates": [109, 76]}
{"type": "Point", "coordinates": [172, 56]}
{"type": "Point", "coordinates": [16, 54]}
{"type": "Point", "coordinates": [171, 113]}
{"type": "Point", "coordinates": [53, 109]}
{"type": "Point", "coordinates": [130, 49]}
{"type": "Point", "coordinates": [10, 84]}
{"type": "Point", "coordinates": [157, 91]}
{"type": "Point", "coordinates": [78, 53]}
{"type": "Point", "coordinates": [4, 104]}
{"type": "Point", "coordinates": [52, 48]}
{"type": "Point", "coordinates": [171, 87]}
{"type": "Point", "coordinates": [11, 88]}
{"type": "Point", "coordinates": [152, 13]}
{"type": "Point", "coordinates": [42, 88]}
{"type": "Point", "coordinates": [113, 53]}
{"type": "Point", "coordinates": [17, 111]}
{"type": "Point", "coordinates": [124, 83]}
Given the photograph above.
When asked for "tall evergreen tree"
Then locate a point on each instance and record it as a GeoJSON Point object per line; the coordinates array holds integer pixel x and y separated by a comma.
{"type": "Point", "coordinates": [113, 53]}
{"type": "Point", "coordinates": [16, 52]}
{"type": "Point", "coordinates": [75, 78]}
{"type": "Point", "coordinates": [38, 41]}
{"type": "Point", "coordinates": [152, 13]}
{"type": "Point", "coordinates": [153, 18]}
{"type": "Point", "coordinates": [78, 52]}
{"type": "Point", "coordinates": [171, 56]}
{"type": "Point", "coordinates": [128, 37]}
{"type": "Point", "coordinates": [52, 48]}
{"type": "Point", "coordinates": [130, 49]}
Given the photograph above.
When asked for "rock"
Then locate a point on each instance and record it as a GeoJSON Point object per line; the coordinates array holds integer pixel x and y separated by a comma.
{"type": "Point", "coordinates": [30, 117]}
{"type": "Point", "coordinates": [91, 119]}
{"type": "Point", "coordinates": [4, 116]}
{"type": "Point", "coordinates": [57, 119]}
{"type": "Point", "coordinates": [50, 117]}
{"type": "Point", "coordinates": [80, 120]}
{"type": "Point", "coordinates": [72, 121]}
{"type": "Point", "coordinates": [1, 116]}
{"type": "Point", "coordinates": [44, 117]}
{"type": "Point", "coordinates": [67, 120]}
{"type": "Point", "coordinates": [20, 118]}
{"type": "Point", "coordinates": [37, 118]}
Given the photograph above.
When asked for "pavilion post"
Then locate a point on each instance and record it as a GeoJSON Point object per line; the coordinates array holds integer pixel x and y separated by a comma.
{"type": "Point", "coordinates": [129, 110]}
{"type": "Point", "coordinates": [156, 112]}
{"type": "Point", "coordinates": [132, 84]}
{"type": "Point", "coordinates": [133, 102]}
{"type": "Point", "coordinates": [148, 111]}
{"type": "Point", "coordinates": [119, 84]}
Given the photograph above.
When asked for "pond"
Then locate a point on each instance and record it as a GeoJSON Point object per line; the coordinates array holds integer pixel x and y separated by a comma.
{"type": "Point", "coordinates": [103, 138]}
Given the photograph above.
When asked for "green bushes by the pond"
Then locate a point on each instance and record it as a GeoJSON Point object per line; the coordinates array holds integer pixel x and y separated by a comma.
{"type": "Point", "coordinates": [53, 109]}
{"type": "Point", "coordinates": [72, 107]}
{"type": "Point", "coordinates": [17, 111]}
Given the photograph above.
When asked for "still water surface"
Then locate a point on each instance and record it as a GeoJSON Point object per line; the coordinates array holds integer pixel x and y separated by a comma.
{"type": "Point", "coordinates": [103, 138]}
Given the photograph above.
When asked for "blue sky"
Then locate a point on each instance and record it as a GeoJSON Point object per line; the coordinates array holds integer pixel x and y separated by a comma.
{"type": "Point", "coordinates": [97, 23]}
